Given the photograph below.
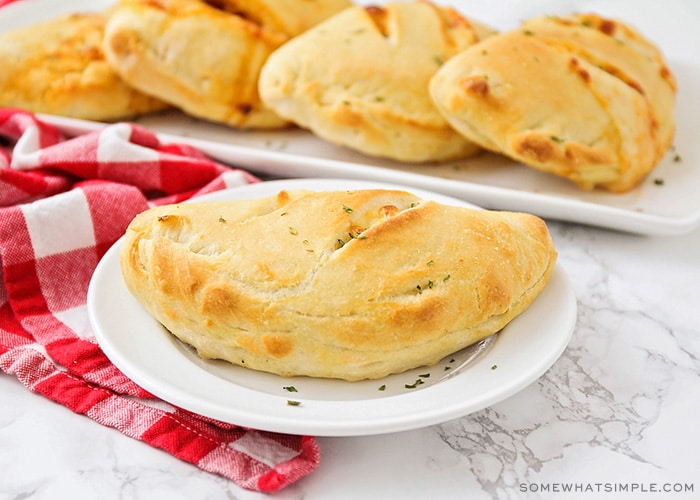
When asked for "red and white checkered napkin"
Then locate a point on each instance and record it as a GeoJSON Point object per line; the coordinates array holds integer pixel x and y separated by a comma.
{"type": "Point", "coordinates": [63, 202]}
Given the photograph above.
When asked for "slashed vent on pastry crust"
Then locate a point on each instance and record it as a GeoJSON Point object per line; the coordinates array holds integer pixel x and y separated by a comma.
{"type": "Point", "coordinates": [581, 96]}
{"type": "Point", "coordinates": [349, 285]}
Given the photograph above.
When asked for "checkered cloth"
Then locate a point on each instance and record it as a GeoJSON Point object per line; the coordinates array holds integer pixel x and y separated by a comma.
{"type": "Point", "coordinates": [63, 203]}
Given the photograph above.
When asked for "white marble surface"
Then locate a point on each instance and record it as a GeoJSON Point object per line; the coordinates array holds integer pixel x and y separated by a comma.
{"type": "Point", "coordinates": [619, 409]}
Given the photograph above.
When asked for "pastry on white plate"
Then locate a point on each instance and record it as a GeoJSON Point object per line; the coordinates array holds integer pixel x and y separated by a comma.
{"type": "Point", "coordinates": [360, 79]}
{"type": "Point", "coordinates": [339, 284]}
{"type": "Point", "coordinates": [58, 67]}
{"type": "Point", "coordinates": [580, 96]}
{"type": "Point", "coordinates": [204, 57]}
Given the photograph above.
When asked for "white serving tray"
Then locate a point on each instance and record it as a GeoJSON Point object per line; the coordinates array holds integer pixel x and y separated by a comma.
{"type": "Point", "coordinates": [667, 203]}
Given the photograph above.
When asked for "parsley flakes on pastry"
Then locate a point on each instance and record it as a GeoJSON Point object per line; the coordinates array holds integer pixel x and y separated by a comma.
{"type": "Point", "coordinates": [360, 80]}
{"type": "Point", "coordinates": [583, 97]}
{"type": "Point", "coordinates": [339, 284]}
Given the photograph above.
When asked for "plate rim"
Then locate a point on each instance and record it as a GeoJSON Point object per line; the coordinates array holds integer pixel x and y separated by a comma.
{"type": "Point", "coordinates": [280, 421]}
{"type": "Point", "coordinates": [548, 206]}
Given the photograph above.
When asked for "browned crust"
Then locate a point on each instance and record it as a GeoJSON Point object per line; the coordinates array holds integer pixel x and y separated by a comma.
{"type": "Point", "coordinates": [346, 285]}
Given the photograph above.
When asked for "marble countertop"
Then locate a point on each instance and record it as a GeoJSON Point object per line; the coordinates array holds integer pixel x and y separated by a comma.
{"type": "Point", "coordinates": [615, 417]}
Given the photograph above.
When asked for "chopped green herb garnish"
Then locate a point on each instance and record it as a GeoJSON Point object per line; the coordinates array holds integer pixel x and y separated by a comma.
{"type": "Point", "coordinates": [347, 209]}
{"type": "Point", "coordinates": [556, 139]}
{"type": "Point", "coordinates": [430, 284]}
{"type": "Point", "coordinates": [419, 288]}
{"type": "Point", "coordinates": [382, 387]}
{"type": "Point", "coordinates": [447, 277]}
{"type": "Point", "coordinates": [414, 384]}
{"type": "Point", "coordinates": [293, 403]}
{"type": "Point", "coordinates": [222, 220]}
{"type": "Point", "coordinates": [293, 230]}
{"type": "Point", "coordinates": [659, 182]}
{"type": "Point", "coordinates": [341, 243]}
{"type": "Point", "coordinates": [430, 263]}
{"type": "Point", "coordinates": [290, 388]}
{"type": "Point", "coordinates": [676, 157]}
{"type": "Point", "coordinates": [424, 375]}
{"type": "Point", "coordinates": [493, 367]}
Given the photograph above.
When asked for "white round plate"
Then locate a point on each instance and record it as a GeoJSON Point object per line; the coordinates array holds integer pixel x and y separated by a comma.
{"type": "Point", "coordinates": [463, 383]}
